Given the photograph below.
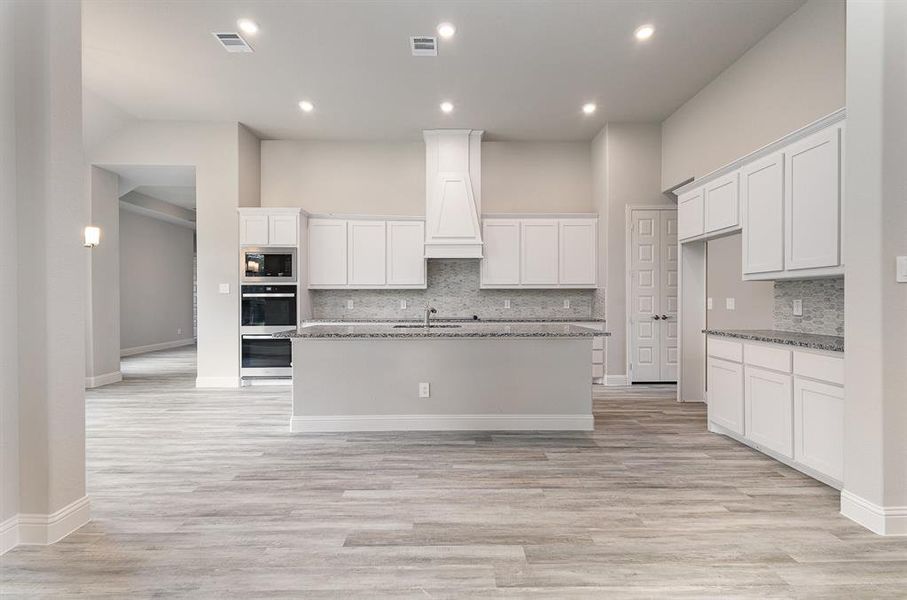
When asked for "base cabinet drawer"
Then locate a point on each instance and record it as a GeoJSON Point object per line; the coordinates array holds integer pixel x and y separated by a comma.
{"type": "Point", "coordinates": [819, 427]}
{"type": "Point", "coordinates": [725, 394]}
{"type": "Point", "coordinates": [768, 401]}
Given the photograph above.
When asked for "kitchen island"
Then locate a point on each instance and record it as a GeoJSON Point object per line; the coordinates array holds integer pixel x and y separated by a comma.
{"type": "Point", "coordinates": [480, 376]}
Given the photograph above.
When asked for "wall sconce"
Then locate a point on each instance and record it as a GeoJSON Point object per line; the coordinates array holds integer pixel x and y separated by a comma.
{"type": "Point", "coordinates": [91, 236]}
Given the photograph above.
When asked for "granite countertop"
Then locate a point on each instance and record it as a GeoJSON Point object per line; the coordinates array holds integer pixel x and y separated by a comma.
{"type": "Point", "coordinates": [813, 341]}
{"type": "Point", "coordinates": [461, 320]}
{"type": "Point", "coordinates": [454, 330]}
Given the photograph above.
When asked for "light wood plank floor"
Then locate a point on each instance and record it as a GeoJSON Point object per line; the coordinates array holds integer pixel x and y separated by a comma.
{"type": "Point", "coordinates": [206, 494]}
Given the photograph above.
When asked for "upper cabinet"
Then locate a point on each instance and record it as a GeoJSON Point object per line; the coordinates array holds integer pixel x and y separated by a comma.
{"type": "Point", "coordinates": [762, 201]}
{"type": "Point", "coordinates": [538, 252]}
{"type": "Point", "coordinates": [690, 214]}
{"type": "Point", "coordinates": [366, 253]}
{"type": "Point", "coordinates": [269, 226]}
{"type": "Point", "coordinates": [721, 207]}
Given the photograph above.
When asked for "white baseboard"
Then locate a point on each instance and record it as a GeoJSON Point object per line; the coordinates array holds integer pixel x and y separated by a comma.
{"type": "Point", "coordinates": [154, 347]}
{"type": "Point", "coordinates": [883, 520]}
{"type": "Point", "coordinates": [105, 379]}
{"type": "Point", "coordinates": [616, 380]}
{"type": "Point", "coordinates": [217, 382]}
{"type": "Point", "coordinates": [44, 529]}
{"type": "Point", "coordinates": [347, 423]}
{"type": "Point", "coordinates": [9, 534]}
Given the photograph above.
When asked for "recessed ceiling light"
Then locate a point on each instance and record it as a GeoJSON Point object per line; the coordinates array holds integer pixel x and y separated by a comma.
{"type": "Point", "coordinates": [446, 107]}
{"type": "Point", "coordinates": [644, 32]}
{"type": "Point", "coordinates": [446, 30]}
{"type": "Point", "coordinates": [248, 26]}
{"type": "Point", "coordinates": [306, 106]}
{"type": "Point", "coordinates": [589, 108]}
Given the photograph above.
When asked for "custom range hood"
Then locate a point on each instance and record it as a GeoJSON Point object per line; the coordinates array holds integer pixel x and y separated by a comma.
{"type": "Point", "coordinates": [453, 193]}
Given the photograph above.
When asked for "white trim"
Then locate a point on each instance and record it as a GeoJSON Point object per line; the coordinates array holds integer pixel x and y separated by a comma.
{"type": "Point", "coordinates": [105, 379]}
{"type": "Point", "coordinates": [158, 346]}
{"type": "Point", "coordinates": [9, 534]}
{"type": "Point", "coordinates": [346, 423]}
{"type": "Point", "coordinates": [540, 215]}
{"type": "Point", "coordinates": [41, 529]}
{"type": "Point", "coordinates": [217, 382]}
{"type": "Point", "coordinates": [883, 520]}
{"type": "Point", "coordinates": [616, 380]}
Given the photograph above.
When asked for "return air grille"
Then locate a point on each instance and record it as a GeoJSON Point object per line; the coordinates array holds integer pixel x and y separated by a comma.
{"type": "Point", "coordinates": [424, 46]}
{"type": "Point", "coordinates": [233, 42]}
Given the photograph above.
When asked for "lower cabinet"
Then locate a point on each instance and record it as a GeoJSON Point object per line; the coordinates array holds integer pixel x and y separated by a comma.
{"type": "Point", "coordinates": [819, 426]}
{"type": "Point", "coordinates": [726, 394]}
{"type": "Point", "coordinates": [768, 403]}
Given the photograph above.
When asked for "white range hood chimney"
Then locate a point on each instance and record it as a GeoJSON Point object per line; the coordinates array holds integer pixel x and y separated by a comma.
{"type": "Point", "coordinates": [453, 193]}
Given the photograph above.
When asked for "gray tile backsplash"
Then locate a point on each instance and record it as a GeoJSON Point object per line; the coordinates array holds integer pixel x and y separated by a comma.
{"type": "Point", "coordinates": [823, 305]}
{"type": "Point", "coordinates": [453, 289]}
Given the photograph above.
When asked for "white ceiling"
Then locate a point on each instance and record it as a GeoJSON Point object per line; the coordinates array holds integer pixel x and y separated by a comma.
{"type": "Point", "coordinates": [519, 70]}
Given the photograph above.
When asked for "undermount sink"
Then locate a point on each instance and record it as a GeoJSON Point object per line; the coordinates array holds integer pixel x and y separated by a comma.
{"type": "Point", "coordinates": [423, 326]}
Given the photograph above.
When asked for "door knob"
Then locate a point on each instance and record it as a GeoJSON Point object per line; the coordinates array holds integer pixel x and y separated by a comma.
{"type": "Point", "coordinates": [665, 317]}
{"type": "Point", "coordinates": [656, 317]}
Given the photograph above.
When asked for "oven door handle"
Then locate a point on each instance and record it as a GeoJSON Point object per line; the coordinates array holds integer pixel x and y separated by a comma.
{"type": "Point", "coordinates": [269, 295]}
{"type": "Point", "coordinates": [262, 336]}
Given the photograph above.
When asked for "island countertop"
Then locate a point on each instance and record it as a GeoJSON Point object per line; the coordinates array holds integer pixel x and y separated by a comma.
{"type": "Point", "coordinates": [831, 343]}
{"type": "Point", "coordinates": [441, 330]}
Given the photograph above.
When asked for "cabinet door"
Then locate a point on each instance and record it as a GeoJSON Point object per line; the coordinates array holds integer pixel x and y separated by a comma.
{"type": "Point", "coordinates": [501, 260]}
{"type": "Point", "coordinates": [253, 230]}
{"type": "Point", "coordinates": [819, 426]}
{"type": "Point", "coordinates": [690, 217]}
{"type": "Point", "coordinates": [538, 252]}
{"type": "Point", "coordinates": [406, 253]}
{"type": "Point", "coordinates": [327, 253]}
{"type": "Point", "coordinates": [769, 409]}
{"type": "Point", "coordinates": [812, 198]}
{"type": "Point", "coordinates": [282, 230]}
{"type": "Point", "coordinates": [762, 199]}
{"type": "Point", "coordinates": [366, 253]}
{"type": "Point", "coordinates": [725, 393]}
{"type": "Point", "coordinates": [721, 208]}
{"type": "Point", "coordinates": [578, 240]}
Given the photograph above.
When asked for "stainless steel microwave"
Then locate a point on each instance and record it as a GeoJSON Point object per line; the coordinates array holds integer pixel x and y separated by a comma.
{"type": "Point", "coordinates": [268, 265]}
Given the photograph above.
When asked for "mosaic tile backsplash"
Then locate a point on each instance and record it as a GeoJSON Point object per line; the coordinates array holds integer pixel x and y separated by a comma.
{"type": "Point", "coordinates": [453, 289]}
{"type": "Point", "coordinates": [823, 305]}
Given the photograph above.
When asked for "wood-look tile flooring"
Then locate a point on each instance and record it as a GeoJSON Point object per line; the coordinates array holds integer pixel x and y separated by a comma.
{"type": "Point", "coordinates": [206, 494]}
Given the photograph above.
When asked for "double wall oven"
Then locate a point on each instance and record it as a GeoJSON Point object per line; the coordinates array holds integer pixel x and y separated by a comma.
{"type": "Point", "coordinates": [267, 309]}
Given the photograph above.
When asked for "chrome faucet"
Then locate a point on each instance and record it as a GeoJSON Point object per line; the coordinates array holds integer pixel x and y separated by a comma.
{"type": "Point", "coordinates": [429, 311]}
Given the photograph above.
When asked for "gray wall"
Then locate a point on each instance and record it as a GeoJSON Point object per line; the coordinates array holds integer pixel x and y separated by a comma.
{"type": "Point", "coordinates": [102, 355]}
{"type": "Point", "coordinates": [453, 289]}
{"type": "Point", "coordinates": [754, 300]}
{"type": "Point", "coordinates": [156, 281]}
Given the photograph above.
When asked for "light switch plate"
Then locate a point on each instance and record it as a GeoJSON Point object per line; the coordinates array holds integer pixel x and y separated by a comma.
{"type": "Point", "coordinates": [349, 304]}
{"type": "Point", "coordinates": [902, 269]}
{"type": "Point", "coordinates": [730, 303]}
{"type": "Point", "coordinates": [403, 305]}
{"type": "Point", "coordinates": [223, 288]}
{"type": "Point", "coordinates": [424, 390]}
{"type": "Point", "coordinates": [708, 303]}
{"type": "Point", "coordinates": [798, 307]}
{"type": "Point", "coordinates": [507, 303]}
{"type": "Point", "coordinates": [566, 303]}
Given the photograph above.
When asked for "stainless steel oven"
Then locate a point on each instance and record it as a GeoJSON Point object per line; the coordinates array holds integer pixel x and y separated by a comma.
{"type": "Point", "coordinates": [265, 356]}
{"type": "Point", "coordinates": [266, 309]}
{"type": "Point", "coordinates": [268, 265]}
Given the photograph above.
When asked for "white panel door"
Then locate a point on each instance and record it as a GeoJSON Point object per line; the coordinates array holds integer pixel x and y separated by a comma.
{"type": "Point", "coordinates": [721, 207]}
{"type": "Point", "coordinates": [327, 253]}
{"type": "Point", "coordinates": [538, 252]}
{"type": "Point", "coordinates": [762, 199]}
{"type": "Point", "coordinates": [645, 295]}
{"type": "Point", "coordinates": [690, 214]}
{"type": "Point", "coordinates": [406, 253]}
{"type": "Point", "coordinates": [282, 230]}
{"type": "Point", "coordinates": [819, 426]}
{"type": "Point", "coordinates": [812, 198]}
{"type": "Point", "coordinates": [768, 401]}
{"type": "Point", "coordinates": [501, 261]}
{"type": "Point", "coordinates": [725, 394]}
{"type": "Point", "coordinates": [366, 248]}
{"type": "Point", "coordinates": [668, 295]}
{"type": "Point", "coordinates": [578, 241]}
{"type": "Point", "coordinates": [253, 230]}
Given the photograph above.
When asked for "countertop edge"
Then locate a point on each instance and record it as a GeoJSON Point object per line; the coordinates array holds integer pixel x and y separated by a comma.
{"type": "Point", "coordinates": [810, 341]}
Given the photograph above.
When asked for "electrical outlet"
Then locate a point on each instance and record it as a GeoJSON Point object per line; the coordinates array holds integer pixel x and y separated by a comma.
{"type": "Point", "coordinates": [708, 303]}
{"type": "Point", "coordinates": [403, 305]}
{"type": "Point", "coordinates": [730, 303]}
{"type": "Point", "coordinates": [179, 331]}
{"type": "Point", "coordinates": [349, 304]}
{"type": "Point", "coordinates": [223, 288]}
{"type": "Point", "coordinates": [507, 303]}
{"type": "Point", "coordinates": [424, 390]}
{"type": "Point", "coordinates": [798, 307]}
{"type": "Point", "coordinates": [566, 303]}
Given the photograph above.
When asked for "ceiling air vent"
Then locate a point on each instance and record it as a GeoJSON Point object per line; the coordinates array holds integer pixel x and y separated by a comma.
{"type": "Point", "coordinates": [424, 45]}
{"type": "Point", "coordinates": [233, 42]}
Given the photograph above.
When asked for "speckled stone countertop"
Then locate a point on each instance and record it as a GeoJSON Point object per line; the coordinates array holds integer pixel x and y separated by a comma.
{"type": "Point", "coordinates": [813, 341]}
{"type": "Point", "coordinates": [460, 320]}
{"type": "Point", "coordinates": [452, 330]}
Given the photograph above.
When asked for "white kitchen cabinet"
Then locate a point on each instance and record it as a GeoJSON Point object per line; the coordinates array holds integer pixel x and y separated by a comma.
{"type": "Point", "coordinates": [768, 403]}
{"type": "Point", "coordinates": [327, 253]}
{"type": "Point", "coordinates": [819, 427]}
{"type": "Point", "coordinates": [268, 227]}
{"type": "Point", "coordinates": [721, 203]}
{"type": "Point", "coordinates": [366, 253]}
{"type": "Point", "coordinates": [812, 199]}
{"type": "Point", "coordinates": [501, 262]}
{"type": "Point", "coordinates": [762, 201]}
{"type": "Point", "coordinates": [539, 252]}
{"type": "Point", "coordinates": [690, 214]}
{"type": "Point", "coordinates": [406, 253]}
{"type": "Point", "coordinates": [283, 230]}
{"type": "Point", "coordinates": [578, 249]}
{"type": "Point", "coordinates": [725, 394]}
{"type": "Point", "coordinates": [253, 230]}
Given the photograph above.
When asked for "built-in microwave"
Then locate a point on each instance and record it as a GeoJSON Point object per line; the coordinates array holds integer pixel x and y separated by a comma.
{"type": "Point", "coordinates": [268, 265]}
